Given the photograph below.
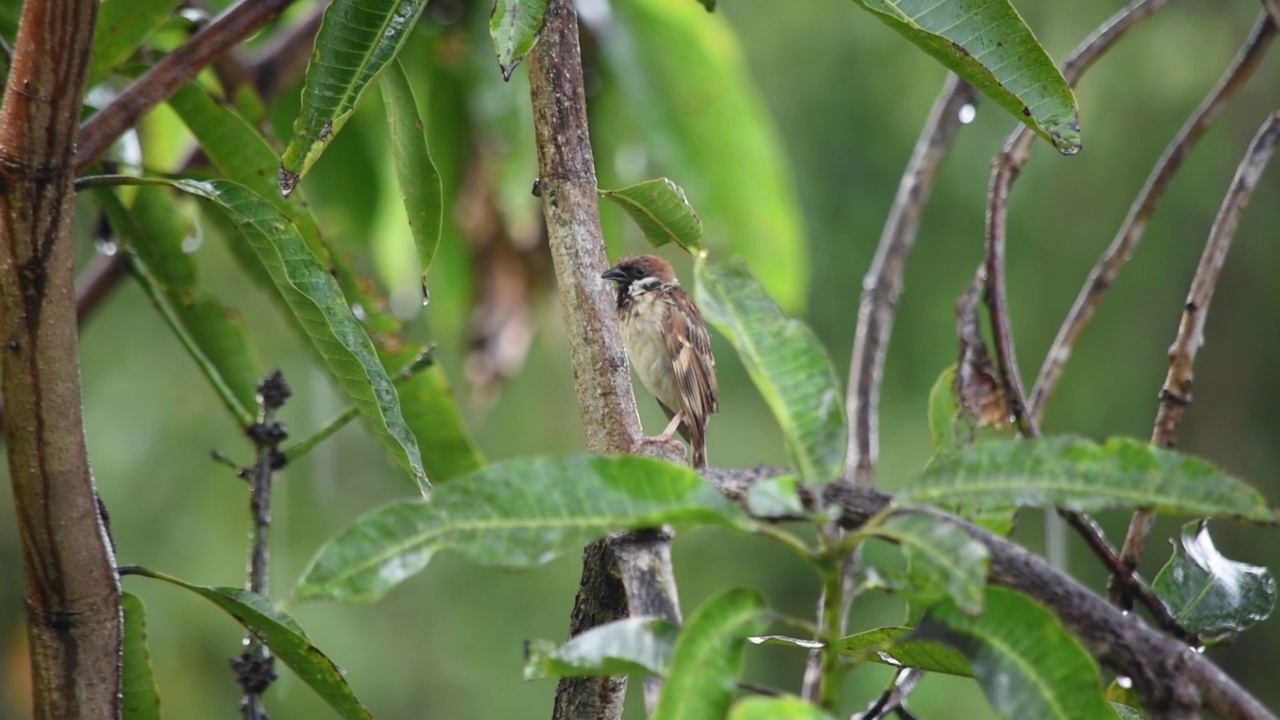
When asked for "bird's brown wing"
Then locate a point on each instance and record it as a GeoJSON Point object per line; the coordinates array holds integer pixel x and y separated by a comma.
{"type": "Point", "coordinates": [695, 368]}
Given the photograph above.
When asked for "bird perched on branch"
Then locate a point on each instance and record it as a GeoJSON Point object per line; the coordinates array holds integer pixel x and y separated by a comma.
{"type": "Point", "coordinates": [667, 342]}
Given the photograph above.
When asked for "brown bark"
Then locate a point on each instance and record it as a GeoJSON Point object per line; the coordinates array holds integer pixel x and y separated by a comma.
{"type": "Point", "coordinates": [72, 592]}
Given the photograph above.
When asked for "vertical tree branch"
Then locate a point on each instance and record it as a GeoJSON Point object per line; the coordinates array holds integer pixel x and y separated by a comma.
{"type": "Point", "coordinates": [72, 592]}
{"type": "Point", "coordinates": [1108, 267]}
{"type": "Point", "coordinates": [882, 286]}
{"type": "Point", "coordinates": [629, 574]}
{"type": "Point", "coordinates": [1176, 393]}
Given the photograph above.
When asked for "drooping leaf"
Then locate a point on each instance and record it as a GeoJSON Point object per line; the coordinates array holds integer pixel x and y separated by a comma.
{"type": "Point", "coordinates": [786, 362]}
{"type": "Point", "coordinates": [636, 645]}
{"type": "Point", "coordinates": [663, 213]}
{"type": "Point", "coordinates": [122, 26]}
{"type": "Point", "coordinates": [357, 39]}
{"type": "Point", "coordinates": [708, 657]}
{"type": "Point", "coordinates": [319, 306]}
{"type": "Point", "coordinates": [687, 91]}
{"type": "Point", "coordinates": [1210, 595]}
{"type": "Point", "coordinates": [137, 681]}
{"type": "Point", "coordinates": [514, 26]}
{"type": "Point", "coordinates": [514, 514]}
{"type": "Point", "coordinates": [214, 334]}
{"type": "Point", "coordinates": [1083, 475]}
{"type": "Point", "coordinates": [419, 181]}
{"type": "Point", "coordinates": [987, 43]}
{"type": "Point", "coordinates": [943, 560]}
{"type": "Point", "coordinates": [897, 647]}
{"type": "Point", "coordinates": [287, 640]}
{"type": "Point", "coordinates": [1028, 665]}
{"type": "Point", "coordinates": [776, 708]}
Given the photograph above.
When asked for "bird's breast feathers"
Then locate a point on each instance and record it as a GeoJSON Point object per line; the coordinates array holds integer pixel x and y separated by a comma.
{"type": "Point", "coordinates": [642, 332]}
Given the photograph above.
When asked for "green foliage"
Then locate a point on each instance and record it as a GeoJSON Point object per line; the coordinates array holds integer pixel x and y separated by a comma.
{"type": "Point", "coordinates": [1028, 665]}
{"type": "Point", "coordinates": [1083, 475]}
{"type": "Point", "coordinates": [420, 186]}
{"type": "Point", "coordinates": [787, 363]}
{"type": "Point", "coordinates": [357, 40]}
{"type": "Point", "coordinates": [123, 25]}
{"type": "Point", "coordinates": [943, 560]}
{"type": "Point", "coordinates": [514, 26]}
{"type": "Point", "coordinates": [708, 657]}
{"type": "Point", "coordinates": [896, 646]}
{"type": "Point", "coordinates": [776, 497]}
{"type": "Point", "coordinates": [1210, 595]}
{"type": "Point", "coordinates": [138, 683]}
{"type": "Point", "coordinates": [637, 645]}
{"type": "Point", "coordinates": [286, 639]}
{"type": "Point", "coordinates": [662, 211]}
{"type": "Point", "coordinates": [944, 415]}
{"type": "Point", "coordinates": [514, 514]}
{"type": "Point", "coordinates": [777, 708]}
{"type": "Point", "coordinates": [683, 78]}
{"type": "Point", "coordinates": [987, 43]}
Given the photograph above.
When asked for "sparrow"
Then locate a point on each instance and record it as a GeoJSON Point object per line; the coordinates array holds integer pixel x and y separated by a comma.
{"type": "Point", "coordinates": [667, 342]}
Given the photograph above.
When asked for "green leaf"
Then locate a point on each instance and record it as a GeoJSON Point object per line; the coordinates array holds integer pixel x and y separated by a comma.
{"type": "Point", "coordinates": [943, 560]}
{"type": "Point", "coordinates": [688, 94]}
{"type": "Point", "coordinates": [663, 213]}
{"type": "Point", "coordinates": [786, 362]}
{"type": "Point", "coordinates": [318, 304]}
{"type": "Point", "coordinates": [138, 683]}
{"type": "Point", "coordinates": [944, 415]}
{"type": "Point", "coordinates": [122, 26]}
{"type": "Point", "coordinates": [431, 411]}
{"type": "Point", "coordinates": [895, 646]}
{"type": "Point", "coordinates": [1028, 665]}
{"type": "Point", "coordinates": [631, 646]}
{"type": "Point", "coordinates": [776, 497]}
{"type": "Point", "coordinates": [708, 657]}
{"type": "Point", "coordinates": [280, 632]}
{"type": "Point", "coordinates": [1124, 712]}
{"type": "Point", "coordinates": [776, 708]}
{"type": "Point", "coordinates": [1083, 475]}
{"type": "Point", "coordinates": [710, 5]}
{"type": "Point", "coordinates": [987, 43]}
{"type": "Point", "coordinates": [514, 26]}
{"type": "Point", "coordinates": [1210, 595]}
{"type": "Point", "coordinates": [357, 39]}
{"type": "Point", "coordinates": [419, 181]}
{"type": "Point", "coordinates": [514, 514]}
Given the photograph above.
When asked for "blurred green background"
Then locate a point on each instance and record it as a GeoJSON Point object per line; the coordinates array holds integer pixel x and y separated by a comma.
{"type": "Point", "coordinates": [847, 97]}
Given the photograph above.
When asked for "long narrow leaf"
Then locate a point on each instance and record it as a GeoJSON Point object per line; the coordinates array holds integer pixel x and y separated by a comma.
{"type": "Point", "coordinates": [122, 26]}
{"type": "Point", "coordinates": [357, 39]}
{"type": "Point", "coordinates": [636, 645]}
{"type": "Point", "coordinates": [137, 681]}
{"type": "Point", "coordinates": [708, 657]}
{"type": "Point", "coordinates": [514, 26]}
{"type": "Point", "coordinates": [943, 560]}
{"type": "Point", "coordinates": [419, 181]}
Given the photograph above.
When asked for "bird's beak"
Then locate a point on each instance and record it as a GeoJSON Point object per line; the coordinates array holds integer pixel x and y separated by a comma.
{"type": "Point", "coordinates": [614, 273]}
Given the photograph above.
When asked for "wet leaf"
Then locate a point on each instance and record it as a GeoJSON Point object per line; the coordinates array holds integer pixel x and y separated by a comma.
{"type": "Point", "coordinates": [1027, 664]}
{"type": "Point", "coordinates": [513, 514]}
{"type": "Point", "coordinates": [514, 26]}
{"type": "Point", "coordinates": [776, 708]}
{"type": "Point", "coordinates": [419, 181]}
{"type": "Point", "coordinates": [943, 560]}
{"type": "Point", "coordinates": [987, 43]}
{"type": "Point", "coordinates": [897, 647]}
{"type": "Point", "coordinates": [280, 632]}
{"type": "Point", "coordinates": [631, 646]}
{"type": "Point", "coordinates": [663, 213]}
{"type": "Point", "coordinates": [786, 362]}
{"type": "Point", "coordinates": [1210, 595]}
{"type": "Point", "coordinates": [708, 657]}
{"type": "Point", "coordinates": [138, 682]}
{"type": "Point", "coordinates": [356, 41]}
{"type": "Point", "coordinates": [1071, 472]}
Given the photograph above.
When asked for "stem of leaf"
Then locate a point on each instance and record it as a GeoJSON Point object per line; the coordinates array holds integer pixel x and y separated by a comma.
{"type": "Point", "coordinates": [832, 610]}
{"type": "Point", "coordinates": [788, 539]}
{"type": "Point", "coordinates": [425, 359]}
{"type": "Point", "coordinates": [145, 279]}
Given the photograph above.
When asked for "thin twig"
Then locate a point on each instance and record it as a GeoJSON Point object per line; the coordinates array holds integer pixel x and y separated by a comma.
{"type": "Point", "coordinates": [255, 666]}
{"type": "Point", "coordinates": [1108, 267]}
{"type": "Point", "coordinates": [424, 360]}
{"type": "Point", "coordinates": [1176, 393]}
{"type": "Point", "coordinates": [894, 699]}
{"type": "Point", "coordinates": [1171, 678]}
{"type": "Point", "coordinates": [172, 72]}
{"type": "Point", "coordinates": [1005, 170]}
{"type": "Point", "coordinates": [882, 286]}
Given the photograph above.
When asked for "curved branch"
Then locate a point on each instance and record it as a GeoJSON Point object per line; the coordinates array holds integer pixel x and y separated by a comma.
{"type": "Point", "coordinates": [1108, 267]}
{"type": "Point", "coordinates": [882, 286]}
{"type": "Point", "coordinates": [1176, 393]}
{"type": "Point", "coordinates": [71, 589]}
{"type": "Point", "coordinates": [1172, 679]}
